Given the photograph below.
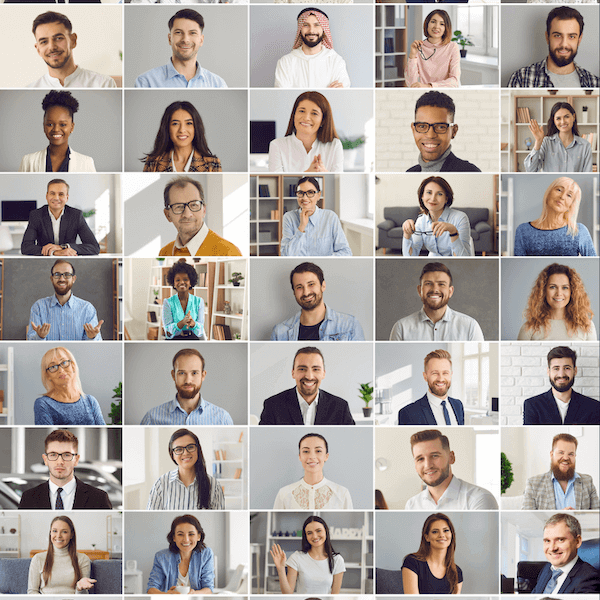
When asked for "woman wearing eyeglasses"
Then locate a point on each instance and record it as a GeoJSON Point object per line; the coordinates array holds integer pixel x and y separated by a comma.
{"type": "Point", "coordinates": [189, 487]}
{"type": "Point", "coordinates": [64, 402]}
{"type": "Point", "coordinates": [183, 313]}
{"type": "Point", "coordinates": [435, 61]}
{"type": "Point", "coordinates": [442, 230]}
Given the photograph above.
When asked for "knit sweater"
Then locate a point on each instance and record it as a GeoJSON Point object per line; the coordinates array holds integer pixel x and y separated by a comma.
{"type": "Point", "coordinates": [63, 575]}
{"type": "Point", "coordinates": [213, 245]}
{"type": "Point", "coordinates": [441, 70]}
{"type": "Point", "coordinates": [530, 241]}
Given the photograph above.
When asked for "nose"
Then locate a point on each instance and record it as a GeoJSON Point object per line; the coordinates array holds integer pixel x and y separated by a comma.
{"type": "Point", "coordinates": [431, 133]}
{"type": "Point", "coordinates": [187, 211]}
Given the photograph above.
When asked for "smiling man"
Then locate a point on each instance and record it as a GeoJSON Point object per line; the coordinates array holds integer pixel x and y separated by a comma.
{"type": "Point", "coordinates": [306, 404]}
{"type": "Point", "coordinates": [564, 29]}
{"type": "Point", "coordinates": [53, 229]}
{"type": "Point", "coordinates": [312, 63]}
{"type": "Point", "coordinates": [436, 321]}
{"type": "Point", "coordinates": [54, 42]}
{"type": "Point", "coordinates": [186, 36]}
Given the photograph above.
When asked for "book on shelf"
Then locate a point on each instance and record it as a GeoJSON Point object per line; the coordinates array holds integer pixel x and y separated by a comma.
{"type": "Point", "coordinates": [238, 474]}
{"type": "Point", "coordinates": [218, 454]}
{"type": "Point", "coordinates": [263, 191]}
{"type": "Point", "coordinates": [592, 138]}
{"type": "Point", "coordinates": [523, 114]}
{"type": "Point", "coordinates": [222, 332]}
{"type": "Point", "coordinates": [152, 317]}
{"type": "Point", "coordinates": [292, 189]}
{"type": "Point", "coordinates": [240, 438]}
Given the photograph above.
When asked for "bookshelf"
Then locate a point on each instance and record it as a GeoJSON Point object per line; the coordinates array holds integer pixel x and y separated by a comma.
{"type": "Point", "coordinates": [505, 131]}
{"type": "Point", "coordinates": [117, 276]}
{"type": "Point", "coordinates": [230, 466]}
{"type": "Point", "coordinates": [10, 535]}
{"type": "Point", "coordinates": [7, 397]}
{"type": "Point", "coordinates": [390, 45]}
{"type": "Point", "coordinates": [233, 324]}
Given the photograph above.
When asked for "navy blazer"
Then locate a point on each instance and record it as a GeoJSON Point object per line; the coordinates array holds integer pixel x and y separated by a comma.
{"type": "Point", "coordinates": [283, 409]}
{"type": "Point", "coordinates": [582, 579]}
{"type": "Point", "coordinates": [452, 163]}
{"type": "Point", "coordinates": [420, 413]}
{"type": "Point", "coordinates": [86, 497]}
{"type": "Point", "coordinates": [72, 223]}
{"type": "Point", "coordinates": [542, 410]}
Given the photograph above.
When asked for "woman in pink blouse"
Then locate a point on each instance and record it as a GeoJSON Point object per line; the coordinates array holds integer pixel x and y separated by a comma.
{"type": "Point", "coordinates": [435, 61]}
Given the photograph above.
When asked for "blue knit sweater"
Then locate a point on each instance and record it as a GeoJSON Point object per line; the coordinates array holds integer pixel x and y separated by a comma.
{"type": "Point", "coordinates": [86, 411]}
{"type": "Point", "coordinates": [530, 241]}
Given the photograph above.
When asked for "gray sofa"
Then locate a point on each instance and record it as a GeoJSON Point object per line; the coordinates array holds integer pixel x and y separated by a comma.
{"type": "Point", "coordinates": [390, 231]}
{"type": "Point", "coordinates": [14, 573]}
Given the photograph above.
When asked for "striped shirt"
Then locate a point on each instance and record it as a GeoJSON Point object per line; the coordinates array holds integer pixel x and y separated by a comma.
{"type": "Point", "coordinates": [537, 75]}
{"type": "Point", "coordinates": [170, 493]}
{"type": "Point", "coordinates": [66, 320]}
{"type": "Point", "coordinates": [171, 413]}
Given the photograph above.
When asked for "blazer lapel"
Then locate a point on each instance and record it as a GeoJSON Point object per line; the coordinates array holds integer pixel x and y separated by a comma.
{"type": "Point", "coordinates": [80, 495]}
{"type": "Point", "coordinates": [63, 228]}
{"type": "Point", "coordinates": [322, 409]}
{"type": "Point", "coordinates": [47, 223]}
{"type": "Point", "coordinates": [44, 498]}
{"type": "Point", "coordinates": [294, 408]}
{"type": "Point", "coordinates": [427, 412]}
{"type": "Point", "coordinates": [578, 485]}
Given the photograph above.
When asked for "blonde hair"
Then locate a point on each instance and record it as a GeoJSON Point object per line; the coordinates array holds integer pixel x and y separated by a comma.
{"type": "Point", "coordinates": [50, 357]}
{"type": "Point", "coordinates": [571, 214]}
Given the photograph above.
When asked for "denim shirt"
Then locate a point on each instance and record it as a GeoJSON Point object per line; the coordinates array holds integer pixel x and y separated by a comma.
{"type": "Point", "coordinates": [336, 327]}
{"type": "Point", "coordinates": [166, 567]}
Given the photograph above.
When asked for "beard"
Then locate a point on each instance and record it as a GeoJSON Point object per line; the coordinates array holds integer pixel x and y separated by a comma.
{"type": "Point", "coordinates": [562, 387]}
{"type": "Point", "coordinates": [61, 64]}
{"type": "Point", "coordinates": [310, 302]}
{"type": "Point", "coordinates": [64, 290]}
{"type": "Point", "coordinates": [562, 475]}
{"type": "Point", "coordinates": [187, 394]}
{"type": "Point", "coordinates": [439, 393]}
{"type": "Point", "coordinates": [560, 61]}
{"type": "Point", "coordinates": [435, 304]}
{"type": "Point", "coordinates": [443, 476]}
{"type": "Point", "coordinates": [312, 44]}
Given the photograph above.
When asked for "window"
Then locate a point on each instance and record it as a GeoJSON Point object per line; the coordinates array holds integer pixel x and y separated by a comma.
{"type": "Point", "coordinates": [480, 23]}
{"type": "Point", "coordinates": [474, 381]}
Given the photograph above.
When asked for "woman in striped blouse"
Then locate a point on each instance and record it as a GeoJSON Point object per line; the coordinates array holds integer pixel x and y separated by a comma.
{"type": "Point", "coordinates": [189, 487]}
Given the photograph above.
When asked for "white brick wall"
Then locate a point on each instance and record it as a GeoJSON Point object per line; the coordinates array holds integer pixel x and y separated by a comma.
{"type": "Point", "coordinates": [477, 140]}
{"type": "Point", "coordinates": [523, 374]}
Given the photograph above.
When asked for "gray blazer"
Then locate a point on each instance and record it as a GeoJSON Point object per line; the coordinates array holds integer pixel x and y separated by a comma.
{"type": "Point", "coordinates": [539, 493]}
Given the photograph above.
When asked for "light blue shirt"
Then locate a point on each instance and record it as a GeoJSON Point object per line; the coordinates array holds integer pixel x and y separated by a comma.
{"type": "Point", "coordinates": [171, 413]}
{"type": "Point", "coordinates": [565, 499]}
{"type": "Point", "coordinates": [168, 77]}
{"type": "Point", "coordinates": [166, 568]}
{"type": "Point", "coordinates": [452, 327]}
{"type": "Point", "coordinates": [66, 320]}
{"type": "Point", "coordinates": [336, 327]}
{"type": "Point", "coordinates": [323, 235]}
{"type": "Point", "coordinates": [444, 245]}
{"type": "Point", "coordinates": [554, 157]}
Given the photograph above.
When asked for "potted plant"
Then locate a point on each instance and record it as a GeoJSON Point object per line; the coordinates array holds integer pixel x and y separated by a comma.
{"type": "Point", "coordinates": [235, 279]}
{"type": "Point", "coordinates": [462, 40]}
{"type": "Point", "coordinates": [115, 407]}
{"type": "Point", "coordinates": [366, 394]}
{"type": "Point", "coordinates": [506, 473]}
{"type": "Point", "coordinates": [351, 147]}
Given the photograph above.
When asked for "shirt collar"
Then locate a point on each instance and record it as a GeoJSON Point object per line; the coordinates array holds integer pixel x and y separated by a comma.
{"type": "Point", "coordinates": [54, 301]}
{"type": "Point", "coordinates": [194, 244]}
{"type": "Point", "coordinates": [301, 400]}
{"type": "Point", "coordinates": [64, 167]}
{"type": "Point", "coordinates": [67, 488]}
{"type": "Point", "coordinates": [174, 476]}
{"type": "Point", "coordinates": [566, 568]}
{"type": "Point", "coordinates": [437, 401]}
{"type": "Point", "coordinates": [314, 218]}
{"type": "Point", "coordinates": [544, 66]}
{"type": "Point", "coordinates": [575, 476]}
{"type": "Point", "coordinates": [315, 486]}
{"type": "Point", "coordinates": [173, 72]}
{"type": "Point", "coordinates": [450, 493]}
{"type": "Point", "coordinates": [447, 315]}
{"type": "Point", "coordinates": [52, 217]}
{"type": "Point", "coordinates": [176, 406]}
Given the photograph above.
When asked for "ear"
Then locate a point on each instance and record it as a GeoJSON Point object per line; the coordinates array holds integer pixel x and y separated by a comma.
{"type": "Point", "coordinates": [419, 289]}
{"type": "Point", "coordinates": [574, 371]}
{"type": "Point", "coordinates": [74, 278]}
{"type": "Point", "coordinates": [169, 38]}
{"type": "Point", "coordinates": [168, 214]}
{"type": "Point", "coordinates": [326, 457]}
{"type": "Point", "coordinates": [173, 375]}
{"type": "Point", "coordinates": [548, 39]}
{"type": "Point", "coordinates": [454, 130]}
{"type": "Point", "coordinates": [45, 459]}
{"type": "Point", "coordinates": [76, 460]}
{"type": "Point", "coordinates": [73, 37]}
{"type": "Point", "coordinates": [323, 286]}
{"type": "Point", "coordinates": [452, 457]}
{"type": "Point", "coordinates": [424, 375]}
{"type": "Point", "coordinates": [450, 291]}
{"type": "Point", "coordinates": [201, 40]}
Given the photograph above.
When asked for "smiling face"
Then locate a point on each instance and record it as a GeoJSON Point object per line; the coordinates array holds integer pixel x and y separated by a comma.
{"type": "Point", "coordinates": [562, 374]}
{"type": "Point", "coordinates": [435, 290]}
{"type": "Point", "coordinates": [308, 372]}
{"type": "Point", "coordinates": [560, 545]}
{"type": "Point", "coordinates": [307, 118]}
{"type": "Point", "coordinates": [61, 470]}
{"type": "Point", "coordinates": [60, 534]}
{"type": "Point", "coordinates": [62, 286]}
{"type": "Point", "coordinates": [432, 462]}
{"type": "Point", "coordinates": [558, 291]}
{"type": "Point", "coordinates": [181, 129]}
{"type": "Point", "coordinates": [311, 32]}
{"type": "Point", "coordinates": [313, 454]}
{"type": "Point", "coordinates": [188, 223]}
{"type": "Point", "coordinates": [186, 537]}
{"type": "Point", "coordinates": [55, 44]}
{"type": "Point", "coordinates": [315, 534]}
{"type": "Point", "coordinates": [432, 145]}
{"type": "Point", "coordinates": [435, 29]}
{"type": "Point", "coordinates": [438, 375]}
{"type": "Point", "coordinates": [58, 125]}
{"type": "Point", "coordinates": [185, 39]}
{"type": "Point", "coordinates": [187, 460]}
{"type": "Point", "coordinates": [561, 198]}
{"type": "Point", "coordinates": [56, 197]}
{"type": "Point", "coordinates": [562, 460]}
{"type": "Point", "coordinates": [181, 282]}
{"type": "Point", "coordinates": [563, 41]}
{"type": "Point", "coordinates": [188, 376]}
{"type": "Point", "coordinates": [439, 536]}
{"type": "Point", "coordinates": [564, 120]}
{"type": "Point", "coordinates": [308, 291]}
{"type": "Point", "coordinates": [305, 202]}
{"type": "Point", "coordinates": [434, 197]}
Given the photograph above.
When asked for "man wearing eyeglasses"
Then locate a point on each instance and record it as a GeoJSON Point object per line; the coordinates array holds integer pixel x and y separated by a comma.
{"type": "Point", "coordinates": [433, 130]}
{"type": "Point", "coordinates": [185, 207]}
{"type": "Point", "coordinates": [63, 316]}
{"type": "Point", "coordinates": [63, 491]}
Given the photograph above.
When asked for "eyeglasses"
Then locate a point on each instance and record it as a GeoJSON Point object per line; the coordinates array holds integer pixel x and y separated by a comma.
{"type": "Point", "coordinates": [65, 275]}
{"type": "Point", "coordinates": [309, 194]}
{"type": "Point", "coordinates": [179, 208]}
{"type": "Point", "coordinates": [66, 456]}
{"type": "Point", "coordinates": [65, 364]}
{"type": "Point", "coordinates": [423, 233]}
{"type": "Point", "coordinates": [423, 54]}
{"type": "Point", "coordinates": [437, 127]}
{"type": "Point", "coordinates": [191, 448]}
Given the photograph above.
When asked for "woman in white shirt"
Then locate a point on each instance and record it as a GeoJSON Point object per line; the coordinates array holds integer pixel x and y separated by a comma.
{"type": "Point", "coordinates": [313, 491]}
{"type": "Point", "coordinates": [311, 143]}
{"type": "Point", "coordinates": [316, 569]}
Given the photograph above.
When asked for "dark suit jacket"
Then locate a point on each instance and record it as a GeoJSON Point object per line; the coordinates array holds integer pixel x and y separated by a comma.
{"type": "Point", "coordinates": [452, 163]}
{"type": "Point", "coordinates": [283, 409]}
{"type": "Point", "coordinates": [86, 497]}
{"type": "Point", "coordinates": [542, 410]}
{"type": "Point", "coordinates": [39, 232]}
{"type": "Point", "coordinates": [420, 413]}
{"type": "Point", "coordinates": [582, 579]}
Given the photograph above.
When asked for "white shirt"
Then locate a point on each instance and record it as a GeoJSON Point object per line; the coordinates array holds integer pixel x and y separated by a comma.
{"type": "Point", "coordinates": [288, 155]}
{"type": "Point", "coordinates": [194, 244]}
{"type": "Point", "coordinates": [565, 571]}
{"type": "Point", "coordinates": [310, 71]}
{"type": "Point", "coordinates": [323, 495]}
{"type": "Point", "coordinates": [79, 78]}
{"type": "Point", "coordinates": [453, 326]}
{"type": "Point", "coordinates": [313, 575]}
{"type": "Point", "coordinates": [56, 224]}
{"type": "Point", "coordinates": [67, 494]}
{"type": "Point", "coordinates": [438, 412]}
{"type": "Point", "coordinates": [459, 495]}
{"type": "Point", "coordinates": [563, 407]}
{"type": "Point", "coordinates": [309, 411]}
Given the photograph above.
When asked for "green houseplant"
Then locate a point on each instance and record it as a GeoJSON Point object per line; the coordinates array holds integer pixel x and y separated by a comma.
{"type": "Point", "coordinates": [462, 41]}
{"type": "Point", "coordinates": [506, 473]}
{"type": "Point", "coordinates": [366, 395]}
{"type": "Point", "coordinates": [236, 278]}
{"type": "Point", "coordinates": [115, 407]}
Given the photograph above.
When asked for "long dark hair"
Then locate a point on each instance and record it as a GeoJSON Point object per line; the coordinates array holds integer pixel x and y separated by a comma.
{"type": "Point", "coordinates": [199, 467]}
{"type": "Point", "coordinates": [191, 520]}
{"type": "Point", "coordinates": [328, 547]}
{"type": "Point", "coordinates": [163, 143]}
{"type": "Point", "coordinates": [551, 127]}
{"type": "Point", "coordinates": [447, 37]}
{"type": "Point", "coordinates": [47, 570]}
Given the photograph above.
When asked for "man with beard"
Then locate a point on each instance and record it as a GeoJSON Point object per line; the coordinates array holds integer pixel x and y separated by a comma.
{"type": "Point", "coordinates": [315, 321]}
{"type": "Point", "coordinates": [444, 491]}
{"type": "Point", "coordinates": [561, 405]}
{"type": "Point", "coordinates": [312, 63]}
{"type": "Point", "coordinates": [63, 316]}
{"type": "Point", "coordinates": [561, 488]}
{"type": "Point", "coordinates": [306, 404]}
{"type": "Point", "coordinates": [432, 408]}
{"type": "Point", "coordinates": [54, 42]}
{"type": "Point", "coordinates": [564, 28]}
{"type": "Point", "coordinates": [186, 36]}
{"type": "Point", "coordinates": [436, 321]}
{"type": "Point", "coordinates": [188, 407]}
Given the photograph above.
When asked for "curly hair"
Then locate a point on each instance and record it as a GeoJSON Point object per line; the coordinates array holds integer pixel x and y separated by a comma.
{"type": "Point", "coordinates": [570, 217]}
{"type": "Point", "coordinates": [182, 267]}
{"type": "Point", "coordinates": [327, 132]}
{"type": "Point", "coordinates": [578, 313]}
{"type": "Point", "coordinates": [60, 98]}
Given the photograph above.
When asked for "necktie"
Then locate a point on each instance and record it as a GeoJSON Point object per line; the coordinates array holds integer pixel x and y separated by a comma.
{"type": "Point", "coordinates": [59, 502]}
{"type": "Point", "coordinates": [552, 583]}
{"type": "Point", "coordinates": [446, 413]}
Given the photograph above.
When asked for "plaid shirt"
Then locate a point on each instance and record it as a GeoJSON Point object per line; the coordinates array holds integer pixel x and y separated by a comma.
{"type": "Point", "coordinates": [537, 75]}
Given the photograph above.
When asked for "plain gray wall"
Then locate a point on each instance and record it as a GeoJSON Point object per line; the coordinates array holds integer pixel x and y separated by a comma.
{"type": "Point", "coordinates": [148, 368]}
{"type": "Point", "coordinates": [275, 463]}
{"type": "Point", "coordinates": [347, 365]}
{"type": "Point", "coordinates": [523, 39]}
{"type": "Point", "coordinates": [475, 291]}
{"type": "Point", "coordinates": [224, 114]}
{"type": "Point", "coordinates": [519, 275]}
{"type": "Point", "coordinates": [273, 32]}
{"type": "Point", "coordinates": [97, 130]}
{"type": "Point", "coordinates": [398, 534]}
{"type": "Point", "coordinates": [349, 289]}
{"type": "Point", "coordinates": [224, 51]}
{"type": "Point", "coordinates": [29, 280]}
{"type": "Point", "coordinates": [95, 380]}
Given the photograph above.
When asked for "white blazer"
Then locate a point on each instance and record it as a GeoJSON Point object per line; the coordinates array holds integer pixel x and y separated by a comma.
{"type": "Point", "coordinates": [36, 163]}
